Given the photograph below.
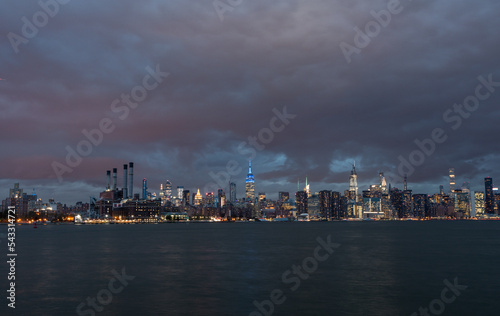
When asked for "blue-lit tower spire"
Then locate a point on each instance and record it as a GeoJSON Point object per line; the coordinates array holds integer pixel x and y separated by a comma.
{"type": "Point", "coordinates": [250, 184]}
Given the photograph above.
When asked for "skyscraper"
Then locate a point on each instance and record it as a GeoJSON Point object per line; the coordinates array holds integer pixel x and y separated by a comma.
{"type": "Point", "coordinates": [452, 180]}
{"type": "Point", "coordinates": [250, 184]}
{"type": "Point", "coordinates": [168, 190]}
{"type": "Point", "coordinates": [232, 192]}
{"type": "Point", "coordinates": [284, 196]}
{"type": "Point", "coordinates": [307, 189]}
{"type": "Point", "coordinates": [353, 182]}
{"type": "Point", "coordinates": [301, 202]}
{"type": "Point", "coordinates": [144, 189]}
{"type": "Point", "coordinates": [197, 198]}
{"type": "Point", "coordinates": [325, 204]}
{"type": "Point", "coordinates": [180, 192]}
{"type": "Point", "coordinates": [488, 196]}
{"type": "Point", "coordinates": [462, 204]}
{"type": "Point", "coordinates": [479, 203]}
{"type": "Point", "coordinates": [383, 183]}
{"type": "Point", "coordinates": [186, 196]}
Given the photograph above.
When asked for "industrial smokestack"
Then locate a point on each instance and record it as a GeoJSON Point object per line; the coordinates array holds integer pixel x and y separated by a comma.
{"type": "Point", "coordinates": [125, 181]}
{"type": "Point", "coordinates": [108, 174]}
{"type": "Point", "coordinates": [131, 180]}
{"type": "Point", "coordinates": [114, 178]}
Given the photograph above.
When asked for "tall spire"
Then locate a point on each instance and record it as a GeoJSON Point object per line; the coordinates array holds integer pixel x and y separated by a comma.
{"type": "Point", "coordinates": [250, 184]}
{"type": "Point", "coordinates": [353, 172]}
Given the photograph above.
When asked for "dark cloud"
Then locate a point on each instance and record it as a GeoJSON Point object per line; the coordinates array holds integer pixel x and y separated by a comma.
{"type": "Point", "coordinates": [227, 77]}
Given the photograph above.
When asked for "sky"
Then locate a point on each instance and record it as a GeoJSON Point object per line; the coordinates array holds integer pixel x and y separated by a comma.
{"type": "Point", "coordinates": [190, 90]}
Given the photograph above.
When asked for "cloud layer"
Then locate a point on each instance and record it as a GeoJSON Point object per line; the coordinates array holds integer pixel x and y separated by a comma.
{"type": "Point", "coordinates": [225, 79]}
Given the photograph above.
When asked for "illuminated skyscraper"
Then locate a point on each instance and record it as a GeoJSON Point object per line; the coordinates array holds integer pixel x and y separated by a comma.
{"type": "Point", "coordinates": [452, 179]}
{"type": "Point", "coordinates": [307, 189]}
{"type": "Point", "coordinates": [180, 192]}
{"type": "Point", "coordinates": [168, 190]}
{"type": "Point", "coordinates": [262, 196]}
{"type": "Point", "coordinates": [250, 184]}
{"type": "Point", "coordinates": [353, 182]}
{"type": "Point", "coordinates": [144, 189]}
{"type": "Point", "coordinates": [284, 196]}
{"type": "Point", "coordinates": [197, 198]}
{"type": "Point", "coordinates": [301, 202]}
{"type": "Point", "coordinates": [479, 203]}
{"type": "Point", "coordinates": [488, 196]}
{"type": "Point", "coordinates": [383, 183]}
{"type": "Point", "coordinates": [325, 204]}
{"type": "Point", "coordinates": [462, 204]}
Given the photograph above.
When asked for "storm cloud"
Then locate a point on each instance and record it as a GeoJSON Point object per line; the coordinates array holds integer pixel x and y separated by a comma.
{"type": "Point", "coordinates": [226, 78]}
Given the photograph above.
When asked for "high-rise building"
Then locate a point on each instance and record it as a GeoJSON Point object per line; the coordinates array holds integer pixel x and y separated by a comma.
{"type": "Point", "coordinates": [209, 198]}
{"type": "Point", "coordinates": [16, 192]}
{"type": "Point", "coordinates": [221, 198]}
{"type": "Point", "coordinates": [197, 198]}
{"type": "Point", "coordinates": [488, 196]}
{"type": "Point", "coordinates": [250, 184]}
{"type": "Point", "coordinates": [337, 211]}
{"type": "Point", "coordinates": [452, 179]}
{"type": "Point", "coordinates": [186, 196]}
{"type": "Point", "coordinates": [441, 189]}
{"type": "Point", "coordinates": [479, 203]}
{"type": "Point", "coordinates": [496, 201]}
{"type": "Point", "coordinates": [144, 189]}
{"type": "Point", "coordinates": [168, 190]}
{"type": "Point", "coordinates": [325, 204]}
{"type": "Point", "coordinates": [232, 192]}
{"type": "Point", "coordinates": [301, 202]}
{"type": "Point", "coordinates": [397, 202]}
{"type": "Point", "coordinates": [353, 183]}
{"type": "Point", "coordinates": [262, 196]}
{"type": "Point", "coordinates": [180, 192]}
{"type": "Point", "coordinates": [383, 183]}
{"type": "Point", "coordinates": [307, 189]}
{"type": "Point", "coordinates": [462, 204]}
{"type": "Point", "coordinates": [408, 203]}
{"type": "Point", "coordinates": [284, 196]}
{"type": "Point", "coordinates": [313, 206]}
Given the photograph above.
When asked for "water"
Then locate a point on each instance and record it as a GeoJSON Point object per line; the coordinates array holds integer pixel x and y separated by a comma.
{"type": "Point", "coordinates": [380, 268]}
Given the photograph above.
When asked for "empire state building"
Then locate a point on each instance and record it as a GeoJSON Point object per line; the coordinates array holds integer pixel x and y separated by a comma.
{"type": "Point", "coordinates": [250, 184]}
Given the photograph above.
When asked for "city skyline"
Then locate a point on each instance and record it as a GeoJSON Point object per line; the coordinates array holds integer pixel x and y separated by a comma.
{"type": "Point", "coordinates": [185, 95]}
{"type": "Point", "coordinates": [113, 177]}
